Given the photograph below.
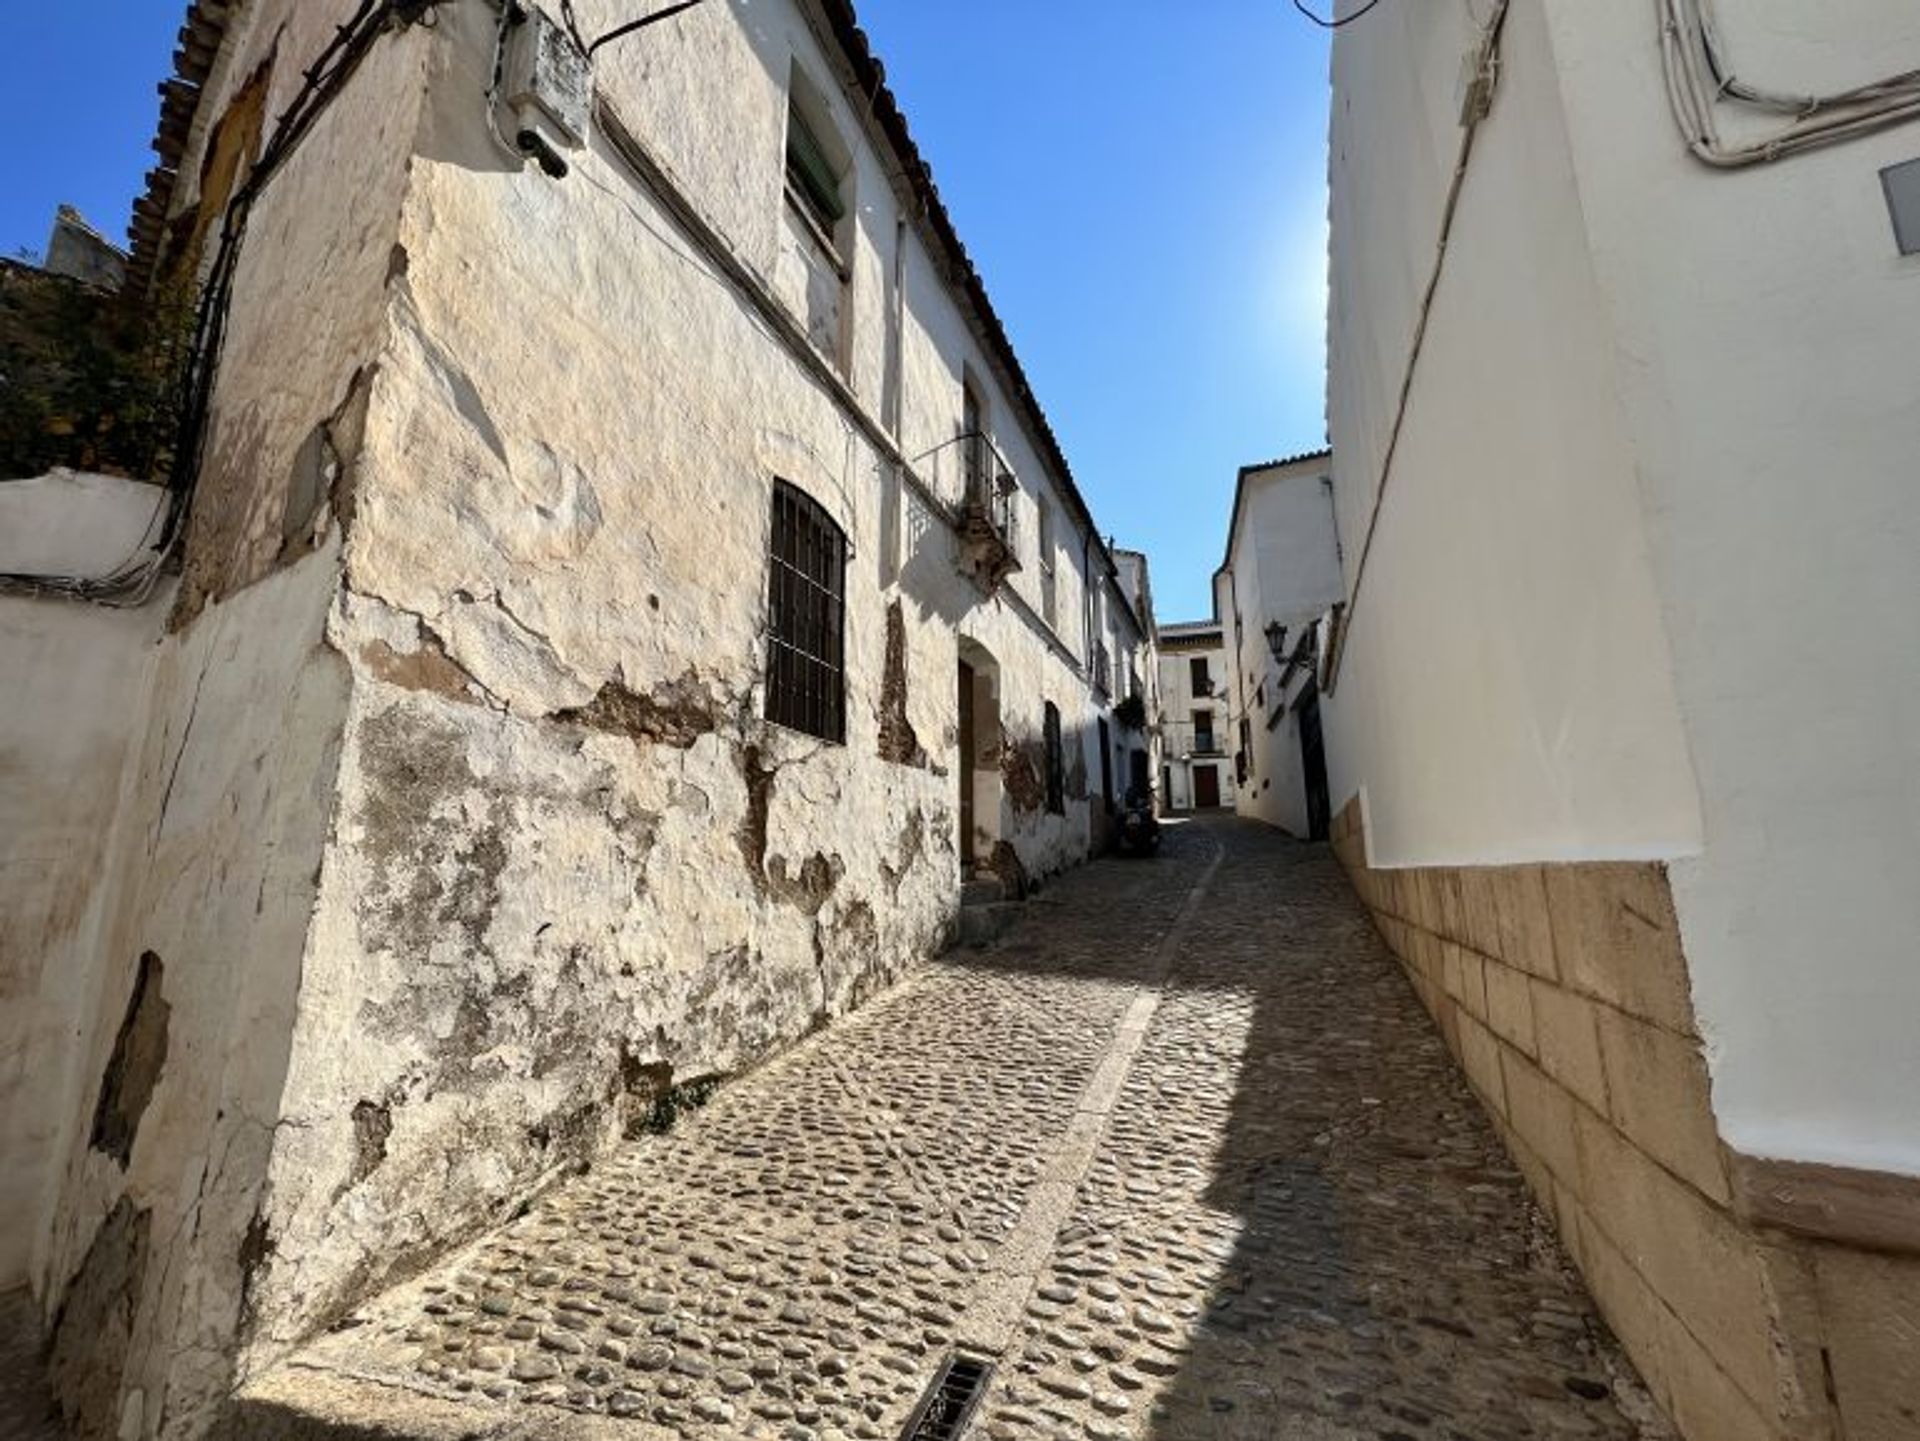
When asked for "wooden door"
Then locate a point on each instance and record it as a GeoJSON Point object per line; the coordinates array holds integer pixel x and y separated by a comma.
{"type": "Point", "coordinates": [1313, 761]}
{"type": "Point", "coordinates": [966, 768]}
{"type": "Point", "coordinates": [1206, 787]}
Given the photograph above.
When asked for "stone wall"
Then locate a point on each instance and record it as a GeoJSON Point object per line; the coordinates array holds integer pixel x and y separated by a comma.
{"type": "Point", "coordinates": [1563, 992]}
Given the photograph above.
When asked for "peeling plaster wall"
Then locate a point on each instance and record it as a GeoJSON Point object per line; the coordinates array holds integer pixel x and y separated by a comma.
{"type": "Point", "coordinates": [75, 678]}
{"type": "Point", "coordinates": [167, 1096]}
{"type": "Point", "coordinates": [446, 836]}
{"type": "Point", "coordinates": [170, 1102]}
{"type": "Point", "coordinates": [572, 864]}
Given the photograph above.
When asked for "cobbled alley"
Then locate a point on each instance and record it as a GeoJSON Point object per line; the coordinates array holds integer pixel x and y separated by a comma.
{"type": "Point", "coordinates": [1181, 1157]}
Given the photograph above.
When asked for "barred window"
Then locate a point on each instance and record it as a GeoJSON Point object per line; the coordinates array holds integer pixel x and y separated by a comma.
{"type": "Point", "coordinates": [806, 608]}
{"type": "Point", "coordinates": [1056, 763]}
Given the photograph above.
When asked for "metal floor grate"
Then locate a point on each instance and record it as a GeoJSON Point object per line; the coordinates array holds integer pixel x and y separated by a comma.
{"type": "Point", "coordinates": [950, 1401]}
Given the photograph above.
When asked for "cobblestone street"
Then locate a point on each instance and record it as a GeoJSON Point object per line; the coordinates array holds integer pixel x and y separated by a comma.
{"type": "Point", "coordinates": [1181, 1155]}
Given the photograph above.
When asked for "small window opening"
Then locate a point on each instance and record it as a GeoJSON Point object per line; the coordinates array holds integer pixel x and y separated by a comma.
{"type": "Point", "coordinates": [806, 604]}
{"type": "Point", "coordinates": [813, 179]}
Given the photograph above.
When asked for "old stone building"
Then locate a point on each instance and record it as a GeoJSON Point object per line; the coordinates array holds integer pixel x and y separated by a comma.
{"type": "Point", "coordinates": [1620, 711]}
{"type": "Point", "coordinates": [628, 585]}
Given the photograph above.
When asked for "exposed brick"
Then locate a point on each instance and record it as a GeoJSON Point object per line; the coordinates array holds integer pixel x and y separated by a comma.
{"type": "Point", "coordinates": [1566, 1030]}
{"type": "Point", "coordinates": [1704, 1400]}
{"type": "Point", "coordinates": [1541, 1113]}
{"type": "Point", "coordinates": [1526, 927]}
{"type": "Point", "coordinates": [1509, 1004]}
{"type": "Point", "coordinates": [1480, 908]}
{"type": "Point", "coordinates": [1702, 1265]}
{"type": "Point", "coordinates": [1480, 1058]}
{"type": "Point", "coordinates": [1871, 1306]}
{"type": "Point", "coordinates": [1615, 936]}
{"type": "Point", "coordinates": [1657, 1082]}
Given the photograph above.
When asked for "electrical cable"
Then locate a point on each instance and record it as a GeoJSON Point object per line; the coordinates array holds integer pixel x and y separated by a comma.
{"type": "Point", "coordinates": [1335, 21]}
{"type": "Point", "coordinates": [1699, 78]}
{"type": "Point", "coordinates": [654, 19]}
{"type": "Point", "coordinates": [322, 82]}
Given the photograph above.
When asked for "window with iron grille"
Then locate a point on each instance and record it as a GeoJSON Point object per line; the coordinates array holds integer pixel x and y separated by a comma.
{"type": "Point", "coordinates": [806, 610]}
{"type": "Point", "coordinates": [1056, 763]}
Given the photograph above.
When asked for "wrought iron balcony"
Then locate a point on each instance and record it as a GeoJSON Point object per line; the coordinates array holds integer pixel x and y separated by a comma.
{"type": "Point", "coordinates": [988, 543]}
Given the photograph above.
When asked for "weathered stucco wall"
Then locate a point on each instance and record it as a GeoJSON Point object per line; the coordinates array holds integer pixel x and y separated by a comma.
{"type": "Point", "coordinates": [182, 1039]}
{"type": "Point", "coordinates": [573, 867]}
{"type": "Point", "coordinates": [448, 842]}
{"type": "Point", "coordinates": [178, 1009]}
{"type": "Point", "coordinates": [76, 678]}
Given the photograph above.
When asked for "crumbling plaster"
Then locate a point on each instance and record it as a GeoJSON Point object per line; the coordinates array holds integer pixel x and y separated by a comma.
{"type": "Point", "coordinates": [572, 863]}
{"type": "Point", "coordinates": [444, 814]}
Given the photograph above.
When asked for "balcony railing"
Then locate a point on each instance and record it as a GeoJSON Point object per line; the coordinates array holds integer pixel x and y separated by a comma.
{"type": "Point", "coordinates": [989, 544]}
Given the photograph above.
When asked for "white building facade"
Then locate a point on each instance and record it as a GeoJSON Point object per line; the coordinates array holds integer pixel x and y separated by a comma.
{"type": "Point", "coordinates": [1619, 712]}
{"type": "Point", "coordinates": [615, 613]}
{"type": "Point", "coordinates": [1196, 718]}
{"type": "Point", "coordinates": [1274, 593]}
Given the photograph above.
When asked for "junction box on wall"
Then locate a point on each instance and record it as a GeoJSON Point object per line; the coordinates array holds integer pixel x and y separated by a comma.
{"type": "Point", "coordinates": [547, 87]}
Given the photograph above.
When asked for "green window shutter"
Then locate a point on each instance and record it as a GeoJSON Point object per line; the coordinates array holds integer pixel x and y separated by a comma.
{"type": "Point", "coordinates": [812, 173]}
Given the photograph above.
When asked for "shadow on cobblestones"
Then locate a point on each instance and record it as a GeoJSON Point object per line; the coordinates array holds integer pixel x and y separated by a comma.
{"type": "Point", "coordinates": [1191, 1166]}
{"type": "Point", "coordinates": [1300, 1224]}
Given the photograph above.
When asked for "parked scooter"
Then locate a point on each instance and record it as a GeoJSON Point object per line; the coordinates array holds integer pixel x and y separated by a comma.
{"type": "Point", "coordinates": [1139, 826]}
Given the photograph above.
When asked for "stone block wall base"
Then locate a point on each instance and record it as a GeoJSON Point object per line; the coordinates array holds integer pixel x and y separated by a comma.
{"type": "Point", "coordinates": [1760, 1302]}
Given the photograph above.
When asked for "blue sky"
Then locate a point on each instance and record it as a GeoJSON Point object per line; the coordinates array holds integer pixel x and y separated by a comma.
{"type": "Point", "coordinates": [1143, 186]}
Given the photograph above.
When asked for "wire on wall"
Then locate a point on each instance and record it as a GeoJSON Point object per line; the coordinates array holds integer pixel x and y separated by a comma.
{"type": "Point", "coordinates": [642, 23]}
{"type": "Point", "coordinates": [322, 83]}
{"type": "Point", "coordinates": [1701, 80]}
{"type": "Point", "coordinates": [1488, 54]}
{"type": "Point", "coordinates": [1336, 20]}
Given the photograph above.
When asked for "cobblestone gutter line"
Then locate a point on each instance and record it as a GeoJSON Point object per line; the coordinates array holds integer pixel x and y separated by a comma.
{"type": "Point", "coordinates": [991, 1323]}
{"type": "Point", "coordinates": [795, 1260]}
{"type": "Point", "coordinates": [1182, 1152]}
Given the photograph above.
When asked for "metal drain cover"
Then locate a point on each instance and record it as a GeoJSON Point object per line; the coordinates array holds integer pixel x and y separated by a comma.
{"type": "Point", "coordinates": [943, 1413]}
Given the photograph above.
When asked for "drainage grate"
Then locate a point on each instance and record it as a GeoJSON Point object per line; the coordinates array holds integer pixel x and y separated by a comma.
{"type": "Point", "coordinates": [950, 1401]}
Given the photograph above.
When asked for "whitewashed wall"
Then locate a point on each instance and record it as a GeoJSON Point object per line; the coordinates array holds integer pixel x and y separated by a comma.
{"type": "Point", "coordinates": [1506, 692]}
{"type": "Point", "coordinates": [1283, 566]}
{"type": "Point", "coordinates": [1178, 701]}
{"type": "Point", "coordinates": [1763, 328]}
{"type": "Point", "coordinates": [1642, 585]}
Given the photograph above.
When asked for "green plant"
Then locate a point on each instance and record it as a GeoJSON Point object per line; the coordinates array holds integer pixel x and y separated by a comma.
{"type": "Point", "coordinates": [1132, 713]}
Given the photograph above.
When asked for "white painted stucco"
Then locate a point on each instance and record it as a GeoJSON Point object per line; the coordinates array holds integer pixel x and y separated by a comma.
{"type": "Point", "coordinates": [1181, 644]}
{"type": "Point", "coordinates": [1282, 567]}
{"type": "Point", "coordinates": [76, 524]}
{"type": "Point", "coordinates": [1642, 583]}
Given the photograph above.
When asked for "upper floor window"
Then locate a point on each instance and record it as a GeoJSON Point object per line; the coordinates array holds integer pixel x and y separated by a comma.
{"type": "Point", "coordinates": [815, 163]}
{"type": "Point", "coordinates": [813, 270]}
{"type": "Point", "coordinates": [974, 446]}
{"type": "Point", "coordinates": [1049, 598]}
{"type": "Point", "coordinates": [1203, 730]}
{"type": "Point", "coordinates": [1199, 676]}
{"type": "Point", "coordinates": [806, 610]}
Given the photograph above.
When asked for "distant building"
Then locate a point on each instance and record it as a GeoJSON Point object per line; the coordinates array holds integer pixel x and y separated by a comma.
{"type": "Point", "coordinates": [1275, 592]}
{"type": "Point", "coordinates": [1196, 717]}
{"type": "Point", "coordinates": [78, 251]}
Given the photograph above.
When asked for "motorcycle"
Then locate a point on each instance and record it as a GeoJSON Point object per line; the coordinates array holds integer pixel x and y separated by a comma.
{"type": "Point", "coordinates": [1139, 826]}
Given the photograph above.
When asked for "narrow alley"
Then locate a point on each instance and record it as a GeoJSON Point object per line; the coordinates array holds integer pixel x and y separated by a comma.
{"type": "Point", "coordinates": [1181, 1156]}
